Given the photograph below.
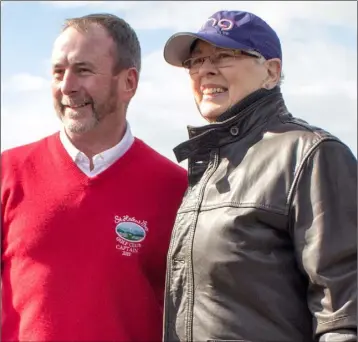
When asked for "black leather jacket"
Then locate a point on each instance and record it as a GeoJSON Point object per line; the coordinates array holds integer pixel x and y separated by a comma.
{"type": "Point", "coordinates": [264, 246]}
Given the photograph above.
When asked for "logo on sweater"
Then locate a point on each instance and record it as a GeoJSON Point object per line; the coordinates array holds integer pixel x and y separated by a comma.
{"type": "Point", "coordinates": [130, 233]}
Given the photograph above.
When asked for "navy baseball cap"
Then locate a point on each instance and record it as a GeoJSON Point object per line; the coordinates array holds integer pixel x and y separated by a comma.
{"type": "Point", "coordinates": [229, 30]}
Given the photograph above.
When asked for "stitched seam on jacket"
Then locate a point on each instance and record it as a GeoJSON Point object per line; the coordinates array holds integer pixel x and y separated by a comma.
{"type": "Point", "coordinates": [307, 127]}
{"type": "Point", "coordinates": [237, 205]}
{"type": "Point", "coordinates": [336, 319]}
{"type": "Point", "coordinates": [311, 150]}
{"type": "Point", "coordinates": [166, 317]}
{"type": "Point", "coordinates": [264, 207]}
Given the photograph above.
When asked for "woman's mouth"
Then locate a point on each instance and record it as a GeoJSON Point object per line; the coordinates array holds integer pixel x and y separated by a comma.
{"type": "Point", "coordinates": [211, 93]}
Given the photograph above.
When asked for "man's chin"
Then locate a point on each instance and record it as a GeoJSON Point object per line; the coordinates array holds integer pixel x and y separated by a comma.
{"type": "Point", "coordinates": [79, 126]}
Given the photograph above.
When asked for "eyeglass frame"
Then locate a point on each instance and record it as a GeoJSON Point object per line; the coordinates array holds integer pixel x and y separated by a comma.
{"type": "Point", "coordinates": [236, 54]}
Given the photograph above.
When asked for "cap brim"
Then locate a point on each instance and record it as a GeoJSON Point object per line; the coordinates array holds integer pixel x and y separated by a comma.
{"type": "Point", "coordinates": [177, 48]}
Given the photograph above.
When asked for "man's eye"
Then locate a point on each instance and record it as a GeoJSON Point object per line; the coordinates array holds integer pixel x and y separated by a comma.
{"type": "Point", "coordinates": [83, 70]}
{"type": "Point", "coordinates": [57, 73]}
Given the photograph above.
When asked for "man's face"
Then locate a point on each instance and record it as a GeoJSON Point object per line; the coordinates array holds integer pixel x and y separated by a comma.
{"type": "Point", "coordinates": [84, 89]}
{"type": "Point", "coordinates": [239, 78]}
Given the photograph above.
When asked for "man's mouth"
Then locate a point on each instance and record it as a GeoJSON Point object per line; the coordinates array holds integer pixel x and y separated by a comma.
{"type": "Point", "coordinates": [75, 106]}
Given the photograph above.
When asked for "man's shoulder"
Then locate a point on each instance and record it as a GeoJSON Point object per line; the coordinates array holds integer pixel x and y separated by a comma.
{"type": "Point", "coordinates": [158, 160]}
{"type": "Point", "coordinates": [19, 154]}
{"type": "Point", "coordinates": [160, 170]}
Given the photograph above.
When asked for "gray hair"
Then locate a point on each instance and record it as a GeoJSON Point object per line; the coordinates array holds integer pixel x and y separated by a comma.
{"type": "Point", "coordinates": [128, 50]}
{"type": "Point", "coordinates": [261, 59]}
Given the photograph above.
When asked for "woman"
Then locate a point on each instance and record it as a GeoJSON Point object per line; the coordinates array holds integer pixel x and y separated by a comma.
{"type": "Point", "coordinates": [265, 246]}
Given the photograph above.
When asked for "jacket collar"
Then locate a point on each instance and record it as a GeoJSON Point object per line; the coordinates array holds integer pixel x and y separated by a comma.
{"type": "Point", "coordinates": [233, 124]}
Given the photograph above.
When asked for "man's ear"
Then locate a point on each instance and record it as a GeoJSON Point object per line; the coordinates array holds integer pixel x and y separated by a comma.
{"type": "Point", "coordinates": [274, 68]}
{"type": "Point", "coordinates": [129, 79]}
{"type": "Point", "coordinates": [132, 80]}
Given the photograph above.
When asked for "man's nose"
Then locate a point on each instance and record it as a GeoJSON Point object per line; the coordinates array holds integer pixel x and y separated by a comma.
{"type": "Point", "coordinates": [69, 83]}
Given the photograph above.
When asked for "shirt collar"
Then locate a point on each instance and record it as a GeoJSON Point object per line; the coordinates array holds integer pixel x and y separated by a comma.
{"type": "Point", "coordinates": [108, 156]}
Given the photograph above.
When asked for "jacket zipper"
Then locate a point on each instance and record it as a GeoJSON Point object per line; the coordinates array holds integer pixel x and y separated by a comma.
{"type": "Point", "coordinates": [212, 166]}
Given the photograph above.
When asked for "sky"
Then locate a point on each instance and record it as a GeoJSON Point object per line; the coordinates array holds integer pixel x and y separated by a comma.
{"type": "Point", "coordinates": [319, 42]}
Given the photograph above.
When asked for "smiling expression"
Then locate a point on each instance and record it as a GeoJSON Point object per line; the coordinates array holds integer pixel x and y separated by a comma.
{"type": "Point", "coordinates": [218, 89]}
{"type": "Point", "coordinates": [84, 89]}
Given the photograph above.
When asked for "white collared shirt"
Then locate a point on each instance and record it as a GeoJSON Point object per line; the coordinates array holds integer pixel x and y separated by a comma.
{"type": "Point", "coordinates": [101, 161]}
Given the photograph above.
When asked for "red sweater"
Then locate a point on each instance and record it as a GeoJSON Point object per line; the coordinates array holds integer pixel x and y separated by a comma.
{"type": "Point", "coordinates": [83, 259]}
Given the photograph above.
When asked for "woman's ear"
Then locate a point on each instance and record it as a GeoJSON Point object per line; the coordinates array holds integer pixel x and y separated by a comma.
{"type": "Point", "coordinates": [274, 68]}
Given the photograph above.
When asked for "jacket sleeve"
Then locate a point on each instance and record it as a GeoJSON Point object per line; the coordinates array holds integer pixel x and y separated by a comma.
{"type": "Point", "coordinates": [344, 335]}
{"type": "Point", "coordinates": [323, 224]}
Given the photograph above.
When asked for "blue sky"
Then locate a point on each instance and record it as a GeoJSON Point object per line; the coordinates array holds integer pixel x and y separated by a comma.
{"type": "Point", "coordinates": [319, 43]}
{"type": "Point", "coordinates": [31, 27]}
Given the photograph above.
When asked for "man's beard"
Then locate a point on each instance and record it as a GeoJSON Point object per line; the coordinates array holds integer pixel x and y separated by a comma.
{"type": "Point", "coordinates": [98, 113]}
{"type": "Point", "coordinates": [80, 126]}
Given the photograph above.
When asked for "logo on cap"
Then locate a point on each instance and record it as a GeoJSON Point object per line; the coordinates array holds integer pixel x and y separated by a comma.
{"type": "Point", "coordinates": [223, 24]}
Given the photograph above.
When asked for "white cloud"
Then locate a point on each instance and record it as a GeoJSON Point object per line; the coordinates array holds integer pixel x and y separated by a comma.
{"type": "Point", "coordinates": [93, 4]}
{"type": "Point", "coordinates": [187, 15]}
{"type": "Point", "coordinates": [320, 85]}
{"type": "Point", "coordinates": [314, 91]}
{"type": "Point", "coordinates": [25, 82]}
{"type": "Point", "coordinates": [26, 117]}
{"type": "Point", "coordinates": [71, 4]}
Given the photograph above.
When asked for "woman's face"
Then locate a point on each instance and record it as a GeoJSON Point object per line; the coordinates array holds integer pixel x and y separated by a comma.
{"type": "Point", "coordinates": [218, 87]}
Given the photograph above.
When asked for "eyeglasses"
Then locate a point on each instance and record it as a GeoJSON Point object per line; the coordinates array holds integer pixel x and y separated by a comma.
{"type": "Point", "coordinates": [220, 59]}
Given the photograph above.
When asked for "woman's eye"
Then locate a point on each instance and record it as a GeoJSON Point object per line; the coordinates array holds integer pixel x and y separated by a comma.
{"type": "Point", "coordinates": [197, 61]}
{"type": "Point", "coordinates": [223, 56]}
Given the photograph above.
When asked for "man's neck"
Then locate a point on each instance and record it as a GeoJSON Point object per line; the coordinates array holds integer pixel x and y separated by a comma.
{"type": "Point", "coordinates": [100, 139]}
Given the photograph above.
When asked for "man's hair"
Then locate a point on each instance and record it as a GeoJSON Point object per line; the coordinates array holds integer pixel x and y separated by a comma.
{"type": "Point", "coordinates": [128, 51]}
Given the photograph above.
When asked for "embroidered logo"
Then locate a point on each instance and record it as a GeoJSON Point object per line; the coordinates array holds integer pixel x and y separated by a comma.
{"type": "Point", "coordinates": [223, 24]}
{"type": "Point", "coordinates": [130, 234]}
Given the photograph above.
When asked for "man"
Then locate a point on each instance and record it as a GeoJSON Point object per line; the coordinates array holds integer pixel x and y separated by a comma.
{"type": "Point", "coordinates": [87, 214]}
{"type": "Point", "coordinates": [265, 242]}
